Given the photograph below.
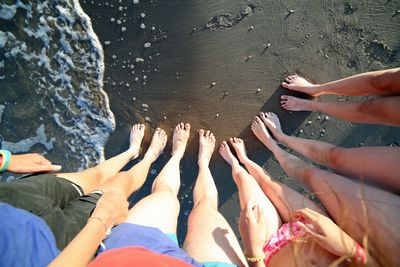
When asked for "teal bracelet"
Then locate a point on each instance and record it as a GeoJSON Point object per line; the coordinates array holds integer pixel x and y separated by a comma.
{"type": "Point", "coordinates": [6, 155]}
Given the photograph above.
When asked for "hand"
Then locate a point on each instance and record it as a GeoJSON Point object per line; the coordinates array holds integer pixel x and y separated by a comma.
{"type": "Point", "coordinates": [253, 228]}
{"type": "Point", "coordinates": [31, 162]}
{"type": "Point", "coordinates": [326, 233]}
{"type": "Point", "coordinates": [112, 208]}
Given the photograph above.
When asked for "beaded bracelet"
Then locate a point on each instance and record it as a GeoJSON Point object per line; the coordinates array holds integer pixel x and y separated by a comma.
{"type": "Point", "coordinates": [6, 158]}
{"type": "Point", "coordinates": [255, 259]}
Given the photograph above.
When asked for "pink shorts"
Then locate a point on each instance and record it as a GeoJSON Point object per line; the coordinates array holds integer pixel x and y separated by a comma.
{"type": "Point", "coordinates": [287, 233]}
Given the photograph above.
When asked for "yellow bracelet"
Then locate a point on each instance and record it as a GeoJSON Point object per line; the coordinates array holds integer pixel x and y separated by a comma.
{"type": "Point", "coordinates": [255, 259]}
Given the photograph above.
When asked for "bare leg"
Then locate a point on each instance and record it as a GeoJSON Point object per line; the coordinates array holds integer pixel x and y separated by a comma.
{"type": "Point", "coordinates": [285, 199]}
{"type": "Point", "coordinates": [209, 237]}
{"type": "Point", "coordinates": [376, 164]}
{"type": "Point", "coordinates": [130, 181]}
{"type": "Point", "coordinates": [161, 208]}
{"type": "Point", "coordinates": [249, 189]}
{"type": "Point", "coordinates": [358, 209]}
{"type": "Point", "coordinates": [93, 177]}
{"type": "Point", "coordinates": [383, 83]}
{"type": "Point", "coordinates": [381, 110]}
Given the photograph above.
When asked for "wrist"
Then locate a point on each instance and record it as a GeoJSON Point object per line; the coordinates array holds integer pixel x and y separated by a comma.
{"type": "Point", "coordinates": [254, 255]}
{"type": "Point", "coordinates": [105, 215]}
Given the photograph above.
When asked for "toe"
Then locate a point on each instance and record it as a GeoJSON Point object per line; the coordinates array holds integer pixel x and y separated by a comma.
{"type": "Point", "coordinates": [284, 97]}
{"type": "Point", "coordinates": [187, 126]}
{"type": "Point", "coordinates": [208, 133]}
{"type": "Point", "coordinates": [201, 132]}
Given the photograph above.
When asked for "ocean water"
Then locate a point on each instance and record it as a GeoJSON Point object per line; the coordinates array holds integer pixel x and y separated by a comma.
{"type": "Point", "coordinates": [51, 83]}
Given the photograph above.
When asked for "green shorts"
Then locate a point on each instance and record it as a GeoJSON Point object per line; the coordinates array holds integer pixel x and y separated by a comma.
{"type": "Point", "coordinates": [59, 202]}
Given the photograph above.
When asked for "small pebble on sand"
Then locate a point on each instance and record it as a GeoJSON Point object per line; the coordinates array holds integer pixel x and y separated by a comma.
{"type": "Point", "coordinates": [142, 15]}
{"type": "Point", "coordinates": [217, 115]}
{"type": "Point", "coordinates": [258, 90]}
{"type": "Point", "coordinates": [123, 29]}
{"type": "Point", "coordinates": [142, 26]}
{"type": "Point", "coordinates": [213, 83]}
{"type": "Point", "coordinates": [112, 19]}
{"type": "Point", "coordinates": [147, 45]}
{"type": "Point", "coordinates": [251, 28]}
{"type": "Point", "coordinates": [136, 2]}
{"type": "Point", "coordinates": [291, 11]}
{"type": "Point", "coordinates": [107, 42]}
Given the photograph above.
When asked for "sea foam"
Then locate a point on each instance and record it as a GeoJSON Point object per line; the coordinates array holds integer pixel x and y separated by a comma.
{"type": "Point", "coordinates": [52, 68]}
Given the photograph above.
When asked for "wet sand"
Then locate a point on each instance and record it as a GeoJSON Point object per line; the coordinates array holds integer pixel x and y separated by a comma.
{"type": "Point", "coordinates": [246, 48]}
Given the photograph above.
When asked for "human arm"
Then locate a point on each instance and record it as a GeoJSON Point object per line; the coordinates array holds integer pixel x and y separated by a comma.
{"type": "Point", "coordinates": [329, 236]}
{"type": "Point", "coordinates": [111, 209]}
{"type": "Point", "coordinates": [26, 163]}
{"type": "Point", "coordinates": [252, 227]}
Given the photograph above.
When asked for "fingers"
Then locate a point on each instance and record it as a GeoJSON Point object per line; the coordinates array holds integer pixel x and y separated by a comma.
{"type": "Point", "coordinates": [310, 232]}
{"type": "Point", "coordinates": [306, 213]}
{"type": "Point", "coordinates": [42, 168]}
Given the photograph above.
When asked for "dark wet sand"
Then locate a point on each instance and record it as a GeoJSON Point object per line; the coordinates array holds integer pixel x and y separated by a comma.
{"type": "Point", "coordinates": [196, 43]}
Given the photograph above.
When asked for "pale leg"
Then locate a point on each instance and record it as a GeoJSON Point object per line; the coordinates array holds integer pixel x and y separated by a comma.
{"type": "Point", "coordinates": [91, 178]}
{"type": "Point", "coordinates": [381, 110]}
{"type": "Point", "coordinates": [285, 199]}
{"type": "Point", "coordinates": [161, 208]}
{"type": "Point", "coordinates": [376, 164]}
{"type": "Point", "coordinates": [209, 236]}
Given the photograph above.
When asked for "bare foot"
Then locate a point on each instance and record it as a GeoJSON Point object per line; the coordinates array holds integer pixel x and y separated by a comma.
{"type": "Point", "coordinates": [226, 153]}
{"type": "Point", "coordinates": [272, 122]}
{"type": "Point", "coordinates": [179, 141]}
{"type": "Point", "coordinates": [259, 130]}
{"type": "Point", "coordinates": [295, 104]}
{"type": "Point", "coordinates": [157, 145]}
{"type": "Point", "coordinates": [297, 83]}
{"type": "Point", "coordinates": [239, 147]}
{"type": "Point", "coordinates": [206, 147]}
{"type": "Point", "coordinates": [135, 139]}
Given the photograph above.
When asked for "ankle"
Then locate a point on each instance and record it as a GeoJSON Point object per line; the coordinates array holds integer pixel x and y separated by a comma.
{"type": "Point", "coordinates": [203, 161]}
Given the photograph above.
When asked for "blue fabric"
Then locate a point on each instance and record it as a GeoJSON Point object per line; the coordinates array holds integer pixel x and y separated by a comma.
{"type": "Point", "coordinates": [173, 237]}
{"type": "Point", "coordinates": [133, 235]}
{"type": "Point", "coordinates": [26, 240]}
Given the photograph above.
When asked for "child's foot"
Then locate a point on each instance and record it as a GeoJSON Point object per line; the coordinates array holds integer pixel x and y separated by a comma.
{"type": "Point", "coordinates": [135, 139]}
{"type": "Point", "coordinates": [272, 122]}
{"type": "Point", "coordinates": [297, 83]}
{"type": "Point", "coordinates": [259, 130]}
{"type": "Point", "coordinates": [226, 153]}
{"type": "Point", "coordinates": [157, 145]}
{"type": "Point", "coordinates": [239, 147]}
{"type": "Point", "coordinates": [206, 146]}
{"type": "Point", "coordinates": [180, 138]}
{"type": "Point", "coordinates": [295, 104]}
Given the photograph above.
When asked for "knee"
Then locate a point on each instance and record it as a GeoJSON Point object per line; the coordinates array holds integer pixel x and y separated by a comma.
{"type": "Point", "coordinates": [382, 81]}
{"type": "Point", "coordinates": [334, 156]}
{"type": "Point", "coordinates": [97, 174]}
{"type": "Point", "coordinates": [209, 202]}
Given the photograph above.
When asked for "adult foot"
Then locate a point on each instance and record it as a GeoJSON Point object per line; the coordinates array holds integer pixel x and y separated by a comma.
{"type": "Point", "coordinates": [226, 153]}
{"type": "Point", "coordinates": [239, 147]}
{"type": "Point", "coordinates": [135, 139]}
{"type": "Point", "coordinates": [272, 122]}
{"type": "Point", "coordinates": [297, 83]}
{"type": "Point", "coordinates": [206, 146]}
{"type": "Point", "coordinates": [180, 138]}
{"type": "Point", "coordinates": [157, 145]}
{"type": "Point", "coordinates": [259, 130]}
{"type": "Point", "coordinates": [295, 104]}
